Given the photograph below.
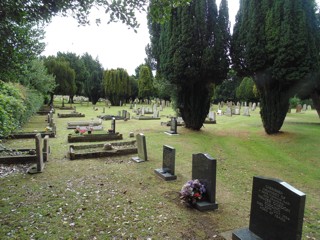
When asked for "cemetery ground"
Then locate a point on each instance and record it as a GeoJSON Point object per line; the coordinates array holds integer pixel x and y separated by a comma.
{"type": "Point", "coordinates": [115, 198]}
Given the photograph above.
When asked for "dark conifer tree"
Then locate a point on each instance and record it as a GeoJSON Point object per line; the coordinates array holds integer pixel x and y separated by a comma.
{"type": "Point", "coordinates": [275, 42]}
{"type": "Point", "coordinates": [190, 50]}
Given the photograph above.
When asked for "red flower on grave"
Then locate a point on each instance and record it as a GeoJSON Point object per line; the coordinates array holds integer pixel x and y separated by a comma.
{"type": "Point", "coordinates": [197, 195]}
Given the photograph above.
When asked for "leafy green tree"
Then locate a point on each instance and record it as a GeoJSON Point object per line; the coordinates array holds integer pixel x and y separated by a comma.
{"type": "Point", "coordinates": [145, 82]}
{"type": "Point", "coordinates": [190, 51]}
{"type": "Point", "coordinates": [245, 90]}
{"type": "Point", "coordinates": [78, 65]}
{"type": "Point", "coordinates": [276, 43]}
{"type": "Point", "coordinates": [64, 76]}
{"type": "Point", "coordinates": [18, 45]}
{"type": "Point", "coordinates": [93, 83]}
{"type": "Point", "coordinates": [37, 77]}
{"type": "Point", "coordinates": [226, 91]}
{"type": "Point", "coordinates": [116, 85]}
{"type": "Point", "coordinates": [163, 88]}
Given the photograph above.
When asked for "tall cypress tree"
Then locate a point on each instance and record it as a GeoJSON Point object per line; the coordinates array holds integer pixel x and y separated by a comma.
{"type": "Point", "coordinates": [274, 41]}
{"type": "Point", "coordinates": [190, 53]}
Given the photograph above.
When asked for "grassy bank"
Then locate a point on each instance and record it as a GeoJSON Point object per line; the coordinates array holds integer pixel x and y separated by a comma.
{"type": "Point", "coordinates": [118, 199]}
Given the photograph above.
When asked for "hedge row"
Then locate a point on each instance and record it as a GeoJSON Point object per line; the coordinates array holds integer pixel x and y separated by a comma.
{"type": "Point", "coordinates": [17, 105]}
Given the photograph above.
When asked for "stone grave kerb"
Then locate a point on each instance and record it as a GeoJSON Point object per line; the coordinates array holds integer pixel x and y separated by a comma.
{"type": "Point", "coordinates": [204, 168]}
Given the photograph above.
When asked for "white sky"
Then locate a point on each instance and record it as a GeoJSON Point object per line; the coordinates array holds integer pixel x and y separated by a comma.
{"type": "Point", "coordinates": [113, 44]}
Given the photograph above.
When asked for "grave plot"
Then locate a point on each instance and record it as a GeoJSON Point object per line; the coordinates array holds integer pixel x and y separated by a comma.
{"type": "Point", "coordinates": [50, 132]}
{"type": "Point", "coordinates": [44, 110]}
{"type": "Point", "coordinates": [96, 137]}
{"type": "Point", "coordinates": [70, 115]}
{"type": "Point", "coordinates": [102, 150]}
{"type": "Point", "coordinates": [92, 123]}
{"type": "Point", "coordinates": [23, 155]}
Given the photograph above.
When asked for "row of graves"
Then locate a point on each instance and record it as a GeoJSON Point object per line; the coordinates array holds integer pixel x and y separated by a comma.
{"type": "Point", "coordinates": [277, 208]}
{"type": "Point", "coordinates": [35, 156]}
{"type": "Point", "coordinates": [302, 108]}
{"type": "Point", "coordinates": [236, 109]}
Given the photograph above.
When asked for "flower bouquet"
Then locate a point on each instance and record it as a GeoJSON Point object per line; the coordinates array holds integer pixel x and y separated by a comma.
{"type": "Point", "coordinates": [192, 191]}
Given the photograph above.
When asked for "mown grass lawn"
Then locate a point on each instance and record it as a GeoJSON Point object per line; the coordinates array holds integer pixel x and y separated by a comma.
{"type": "Point", "coordinates": [118, 199]}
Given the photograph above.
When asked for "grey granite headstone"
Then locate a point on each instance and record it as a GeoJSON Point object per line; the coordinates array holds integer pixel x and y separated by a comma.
{"type": "Point", "coordinates": [142, 148]}
{"type": "Point", "coordinates": [277, 211]}
{"type": "Point", "coordinates": [204, 168]}
{"type": "Point", "coordinates": [168, 164]}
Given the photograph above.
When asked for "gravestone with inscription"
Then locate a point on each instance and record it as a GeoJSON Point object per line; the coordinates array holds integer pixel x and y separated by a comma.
{"type": "Point", "coordinates": [204, 168]}
{"type": "Point", "coordinates": [168, 164]}
{"type": "Point", "coordinates": [277, 211]}
{"type": "Point", "coordinates": [142, 149]}
{"type": "Point", "coordinates": [246, 111]}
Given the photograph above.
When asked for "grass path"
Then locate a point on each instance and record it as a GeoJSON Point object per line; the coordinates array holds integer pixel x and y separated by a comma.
{"type": "Point", "coordinates": [118, 199]}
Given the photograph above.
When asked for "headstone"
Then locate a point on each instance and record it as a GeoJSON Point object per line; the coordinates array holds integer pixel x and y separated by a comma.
{"type": "Point", "coordinates": [304, 107]}
{"type": "Point", "coordinates": [204, 168]}
{"type": "Point", "coordinates": [40, 165]}
{"type": "Point", "coordinates": [168, 164]}
{"type": "Point", "coordinates": [237, 111]}
{"type": "Point", "coordinates": [254, 105]}
{"type": "Point", "coordinates": [309, 108]}
{"type": "Point", "coordinates": [46, 148]}
{"type": "Point", "coordinates": [113, 126]}
{"type": "Point", "coordinates": [246, 111]}
{"type": "Point", "coordinates": [228, 112]}
{"type": "Point", "coordinates": [142, 149]}
{"type": "Point", "coordinates": [173, 127]}
{"type": "Point", "coordinates": [277, 211]}
{"type": "Point", "coordinates": [155, 114]}
{"type": "Point", "coordinates": [212, 116]}
{"type": "Point", "coordinates": [298, 108]}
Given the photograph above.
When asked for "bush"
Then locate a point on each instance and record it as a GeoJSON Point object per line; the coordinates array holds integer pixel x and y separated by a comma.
{"type": "Point", "coordinates": [17, 105]}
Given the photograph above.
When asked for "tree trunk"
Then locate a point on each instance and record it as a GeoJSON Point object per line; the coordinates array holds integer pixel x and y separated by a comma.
{"type": "Point", "coordinates": [193, 104]}
{"type": "Point", "coordinates": [274, 108]}
{"type": "Point", "coordinates": [315, 96]}
{"type": "Point", "coordinates": [71, 99]}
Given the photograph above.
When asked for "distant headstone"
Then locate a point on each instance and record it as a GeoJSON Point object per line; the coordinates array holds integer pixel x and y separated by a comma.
{"type": "Point", "coordinates": [204, 168]}
{"type": "Point", "coordinates": [212, 116]}
{"type": "Point", "coordinates": [237, 111]}
{"type": "Point", "coordinates": [228, 112]}
{"type": "Point", "coordinates": [142, 148]}
{"type": "Point", "coordinates": [298, 108]}
{"type": "Point", "coordinates": [304, 107]}
{"type": "Point", "coordinates": [173, 127]}
{"type": "Point", "coordinates": [113, 126]}
{"type": "Point", "coordinates": [168, 164]}
{"type": "Point", "coordinates": [246, 111]}
{"type": "Point", "coordinates": [254, 105]}
{"type": "Point", "coordinates": [277, 211]}
{"type": "Point", "coordinates": [309, 108]}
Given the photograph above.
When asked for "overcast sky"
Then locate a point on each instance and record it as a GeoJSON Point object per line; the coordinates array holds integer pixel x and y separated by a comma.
{"type": "Point", "coordinates": [113, 44]}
